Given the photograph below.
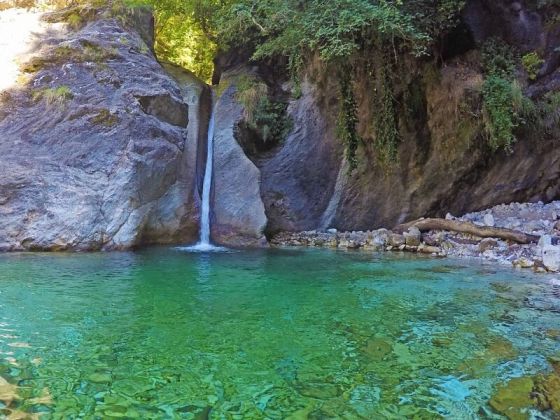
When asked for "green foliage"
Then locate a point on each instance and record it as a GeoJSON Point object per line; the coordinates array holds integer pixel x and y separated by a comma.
{"type": "Point", "coordinates": [532, 62]}
{"type": "Point", "coordinates": [385, 119]}
{"type": "Point", "coordinates": [250, 91]}
{"type": "Point", "coordinates": [500, 95]}
{"type": "Point", "coordinates": [336, 29]}
{"type": "Point", "coordinates": [500, 117]}
{"type": "Point", "coordinates": [543, 115]}
{"type": "Point", "coordinates": [90, 52]}
{"type": "Point", "coordinates": [498, 59]}
{"type": "Point", "coordinates": [74, 21]}
{"type": "Point", "coordinates": [265, 117]}
{"type": "Point", "coordinates": [180, 42]}
{"type": "Point", "coordinates": [56, 97]}
{"type": "Point", "coordinates": [549, 108]}
{"type": "Point", "coordinates": [348, 118]}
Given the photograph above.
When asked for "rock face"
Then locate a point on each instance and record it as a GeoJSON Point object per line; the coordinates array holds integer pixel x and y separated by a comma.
{"type": "Point", "coordinates": [238, 214]}
{"type": "Point", "coordinates": [298, 181]}
{"type": "Point", "coordinates": [444, 162]}
{"type": "Point", "coordinates": [93, 151]}
{"type": "Point", "coordinates": [103, 148]}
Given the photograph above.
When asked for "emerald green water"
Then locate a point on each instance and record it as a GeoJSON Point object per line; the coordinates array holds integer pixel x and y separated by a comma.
{"type": "Point", "coordinates": [267, 334]}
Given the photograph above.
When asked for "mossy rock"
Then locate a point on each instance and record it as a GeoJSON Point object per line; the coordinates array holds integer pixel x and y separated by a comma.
{"type": "Point", "coordinates": [90, 52]}
{"type": "Point", "coordinates": [547, 392]}
{"type": "Point", "coordinates": [500, 349]}
{"type": "Point", "coordinates": [513, 399]}
{"type": "Point", "coordinates": [104, 118]}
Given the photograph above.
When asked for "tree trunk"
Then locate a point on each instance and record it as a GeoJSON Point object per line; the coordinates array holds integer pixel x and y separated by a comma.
{"type": "Point", "coordinates": [467, 227]}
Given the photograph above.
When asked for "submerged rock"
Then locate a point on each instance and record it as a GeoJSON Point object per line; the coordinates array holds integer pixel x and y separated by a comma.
{"type": "Point", "coordinates": [513, 399]}
{"type": "Point", "coordinates": [547, 392]}
{"type": "Point", "coordinates": [319, 390]}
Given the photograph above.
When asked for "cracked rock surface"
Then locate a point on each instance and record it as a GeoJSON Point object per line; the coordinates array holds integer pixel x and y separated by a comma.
{"type": "Point", "coordinates": [92, 145]}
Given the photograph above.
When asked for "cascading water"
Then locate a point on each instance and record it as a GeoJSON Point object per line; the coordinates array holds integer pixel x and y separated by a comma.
{"type": "Point", "coordinates": [204, 244]}
{"type": "Point", "coordinates": [207, 185]}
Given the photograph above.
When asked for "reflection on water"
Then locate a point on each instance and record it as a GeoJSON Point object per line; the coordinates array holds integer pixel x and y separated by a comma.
{"type": "Point", "coordinates": [310, 333]}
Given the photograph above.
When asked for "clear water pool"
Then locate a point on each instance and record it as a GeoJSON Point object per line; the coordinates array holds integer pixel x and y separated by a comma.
{"type": "Point", "coordinates": [270, 334]}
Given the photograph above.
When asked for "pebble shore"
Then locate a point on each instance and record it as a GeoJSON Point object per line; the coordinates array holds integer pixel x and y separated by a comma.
{"type": "Point", "coordinates": [534, 218]}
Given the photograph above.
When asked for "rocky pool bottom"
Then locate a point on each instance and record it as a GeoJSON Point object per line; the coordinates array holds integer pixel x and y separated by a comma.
{"type": "Point", "coordinates": [538, 219]}
{"type": "Point", "coordinates": [274, 333]}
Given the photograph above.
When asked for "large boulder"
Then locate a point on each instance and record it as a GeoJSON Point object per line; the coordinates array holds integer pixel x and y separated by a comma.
{"type": "Point", "coordinates": [238, 214]}
{"type": "Point", "coordinates": [93, 151]}
{"type": "Point", "coordinates": [298, 180]}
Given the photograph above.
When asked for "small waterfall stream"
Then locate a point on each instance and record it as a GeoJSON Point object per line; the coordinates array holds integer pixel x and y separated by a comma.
{"type": "Point", "coordinates": [205, 244]}
{"type": "Point", "coordinates": [207, 185]}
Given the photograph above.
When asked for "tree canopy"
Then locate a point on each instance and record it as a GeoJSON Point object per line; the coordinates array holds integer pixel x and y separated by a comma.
{"type": "Point", "coordinates": [190, 32]}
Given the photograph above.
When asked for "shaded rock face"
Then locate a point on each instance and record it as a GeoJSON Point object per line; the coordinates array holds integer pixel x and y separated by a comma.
{"type": "Point", "coordinates": [238, 215]}
{"type": "Point", "coordinates": [297, 180]}
{"type": "Point", "coordinates": [444, 163]}
{"type": "Point", "coordinates": [93, 152]}
{"type": "Point", "coordinates": [510, 20]}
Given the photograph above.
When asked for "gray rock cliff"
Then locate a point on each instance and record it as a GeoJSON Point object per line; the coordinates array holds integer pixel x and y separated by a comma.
{"type": "Point", "coordinates": [95, 152]}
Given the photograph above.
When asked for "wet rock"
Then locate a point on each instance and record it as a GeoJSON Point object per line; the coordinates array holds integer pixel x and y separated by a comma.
{"type": "Point", "coordinates": [427, 249]}
{"type": "Point", "coordinates": [396, 240]}
{"type": "Point", "coordinates": [308, 198]}
{"type": "Point", "coordinates": [96, 171]}
{"type": "Point", "coordinates": [547, 392]}
{"type": "Point", "coordinates": [523, 263]}
{"type": "Point", "coordinates": [8, 392]}
{"type": "Point", "coordinates": [545, 240]}
{"type": "Point", "coordinates": [166, 108]}
{"type": "Point", "coordinates": [378, 348]}
{"type": "Point", "coordinates": [100, 378]}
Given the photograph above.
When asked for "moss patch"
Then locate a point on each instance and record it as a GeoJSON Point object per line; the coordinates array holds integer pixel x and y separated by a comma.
{"type": "Point", "coordinates": [57, 96]}
{"type": "Point", "coordinates": [104, 118]}
{"type": "Point", "coordinates": [90, 52]}
{"type": "Point", "coordinates": [513, 399]}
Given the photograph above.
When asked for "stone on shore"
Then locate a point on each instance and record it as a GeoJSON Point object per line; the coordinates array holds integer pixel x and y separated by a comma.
{"type": "Point", "coordinates": [551, 257]}
{"type": "Point", "coordinates": [489, 220]}
{"type": "Point", "coordinates": [413, 236]}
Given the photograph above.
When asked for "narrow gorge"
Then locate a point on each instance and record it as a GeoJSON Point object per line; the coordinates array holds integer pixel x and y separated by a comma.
{"type": "Point", "coordinates": [280, 209]}
{"type": "Point", "coordinates": [298, 181]}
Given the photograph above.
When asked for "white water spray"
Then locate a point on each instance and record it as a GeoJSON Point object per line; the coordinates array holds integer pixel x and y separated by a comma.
{"type": "Point", "coordinates": [205, 245]}
{"type": "Point", "coordinates": [207, 185]}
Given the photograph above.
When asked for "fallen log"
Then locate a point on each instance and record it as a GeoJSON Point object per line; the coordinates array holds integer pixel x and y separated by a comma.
{"type": "Point", "coordinates": [458, 226]}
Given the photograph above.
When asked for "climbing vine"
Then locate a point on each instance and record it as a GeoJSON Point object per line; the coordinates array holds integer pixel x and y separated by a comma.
{"type": "Point", "coordinates": [348, 117]}
{"type": "Point", "coordinates": [385, 118]}
{"type": "Point", "coordinates": [264, 116]}
{"type": "Point", "coordinates": [500, 114]}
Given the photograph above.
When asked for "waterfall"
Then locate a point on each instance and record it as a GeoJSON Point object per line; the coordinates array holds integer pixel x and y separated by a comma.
{"type": "Point", "coordinates": [204, 244]}
{"type": "Point", "coordinates": [207, 185]}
